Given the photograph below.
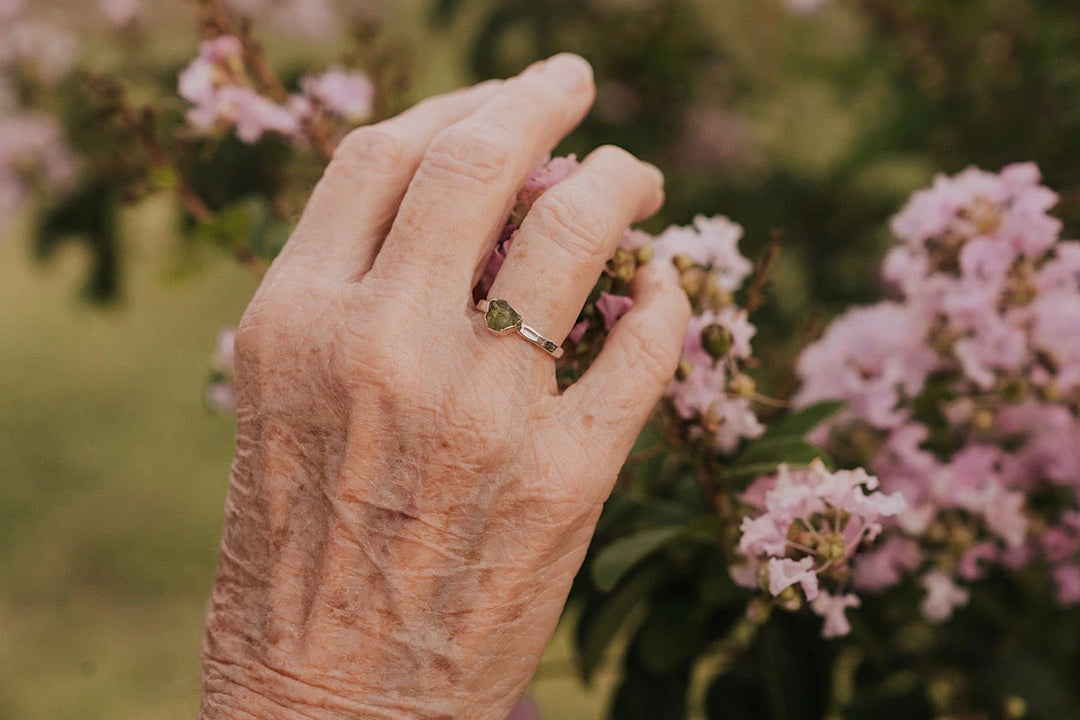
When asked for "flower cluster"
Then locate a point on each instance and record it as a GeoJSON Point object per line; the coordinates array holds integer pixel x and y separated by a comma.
{"type": "Point", "coordinates": [35, 50]}
{"type": "Point", "coordinates": [962, 394]}
{"type": "Point", "coordinates": [710, 393]}
{"type": "Point", "coordinates": [805, 530]}
{"type": "Point", "coordinates": [224, 94]}
{"type": "Point", "coordinates": [34, 151]}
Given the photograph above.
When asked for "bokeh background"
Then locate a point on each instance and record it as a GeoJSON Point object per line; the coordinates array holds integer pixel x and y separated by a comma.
{"type": "Point", "coordinates": [809, 125]}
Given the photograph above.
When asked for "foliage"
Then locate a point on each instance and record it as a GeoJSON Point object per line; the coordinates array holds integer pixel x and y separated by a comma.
{"type": "Point", "coordinates": [734, 522]}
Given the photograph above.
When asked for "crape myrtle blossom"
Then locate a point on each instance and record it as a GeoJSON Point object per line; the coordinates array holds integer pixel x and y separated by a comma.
{"type": "Point", "coordinates": [804, 530]}
{"type": "Point", "coordinates": [218, 85]}
{"type": "Point", "coordinates": [962, 394]}
{"type": "Point", "coordinates": [710, 392]}
{"type": "Point", "coordinates": [39, 51]}
{"type": "Point", "coordinates": [344, 93]}
{"type": "Point", "coordinates": [34, 156]}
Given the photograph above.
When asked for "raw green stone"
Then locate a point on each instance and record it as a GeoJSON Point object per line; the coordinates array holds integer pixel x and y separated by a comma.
{"type": "Point", "coordinates": [500, 317]}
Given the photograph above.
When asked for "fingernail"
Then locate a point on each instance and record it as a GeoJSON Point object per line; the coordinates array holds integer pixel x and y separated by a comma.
{"type": "Point", "coordinates": [658, 176]}
{"type": "Point", "coordinates": [569, 72]}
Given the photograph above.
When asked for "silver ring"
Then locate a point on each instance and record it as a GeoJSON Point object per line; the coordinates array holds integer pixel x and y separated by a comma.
{"type": "Point", "coordinates": [501, 319]}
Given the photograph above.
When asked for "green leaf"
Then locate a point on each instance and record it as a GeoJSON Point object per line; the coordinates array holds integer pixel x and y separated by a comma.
{"type": "Point", "coordinates": [803, 421]}
{"type": "Point", "coordinates": [735, 697]}
{"type": "Point", "coordinates": [777, 450]}
{"type": "Point", "coordinates": [601, 622]}
{"type": "Point", "coordinates": [671, 634]}
{"type": "Point", "coordinates": [619, 557]}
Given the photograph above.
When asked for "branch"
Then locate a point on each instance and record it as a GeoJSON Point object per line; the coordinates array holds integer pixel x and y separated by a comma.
{"type": "Point", "coordinates": [760, 280]}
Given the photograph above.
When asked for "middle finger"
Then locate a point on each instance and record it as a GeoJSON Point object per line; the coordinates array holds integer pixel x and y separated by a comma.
{"type": "Point", "coordinates": [461, 194]}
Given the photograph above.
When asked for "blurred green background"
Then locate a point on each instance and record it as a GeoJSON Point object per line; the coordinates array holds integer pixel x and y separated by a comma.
{"type": "Point", "coordinates": [810, 129]}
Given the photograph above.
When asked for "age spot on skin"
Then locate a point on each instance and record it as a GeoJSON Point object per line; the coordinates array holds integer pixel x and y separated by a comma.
{"type": "Point", "coordinates": [444, 666]}
{"type": "Point", "coordinates": [588, 421]}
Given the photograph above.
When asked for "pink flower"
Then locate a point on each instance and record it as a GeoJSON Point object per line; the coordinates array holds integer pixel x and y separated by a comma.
{"type": "Point", "coordinates": [225, 350]}
{"type": "Point", "coordinates": [942, 596]}
{"type": "Point", "coordinates": [711, 243]}
{"type": "Point", "coordinates": [785, 572]}
{"type": "Point", "coordinates": [222, 396]}
{"type": "Point", "coordinates": [884, 566]}
{"type": "Point", "coordinates": [1067, 579]}
{"type": "Point", "coordinates": [971, 563]}
{"type": "Point", "coordinates": [255, 115]}
{"type": "Point", "coordinates": [868, 357]}
{"type": "Point", "coordinates": [545, 176]}
{"type": "Point", "coordinates": [834, 608]}
{"type": "Point", "coordinates": [578, 331]}
{"type": "Point", "coordinates": [348, 94]}
{"type": "Point", "coordinates": [808, 523]}
{"type": "Point", "coordinates": [217, 85]}
{"type": "Point", "coordinates": [613, 307]}
{"type": "Point", "coordinates": [47, 52]}
{"type": "Point", "coordinates": [34, 156]}
{"type": "Point", "coordinates": [525, 709]}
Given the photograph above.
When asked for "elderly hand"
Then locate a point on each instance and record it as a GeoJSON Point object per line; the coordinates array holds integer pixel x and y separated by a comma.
{"type": "Point", "coordinates": [411, 495]}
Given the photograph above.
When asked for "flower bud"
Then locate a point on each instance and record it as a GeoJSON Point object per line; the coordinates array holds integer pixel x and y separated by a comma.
{"type": "Point", "coordinates": [644, 254]}
{"type": "Point", "coordinates": [1013, 389]}
{"type": "Point", "coordinates": [983, 419]}
{"type": "Point", "coordinates": [789, 599]}
{"type": "Point", "coordinates": [622, 266]}
{"type": "Point", "coordinates": [985, 215]}
{"type": "Point", "coordinates": [1015, 708]}
{"type": "Point", "coordinates": [742, 385]}
{"type": "Point", "coordinates": [693, 281]}
{"type": "Point", "coordinates": [716, 339]}
{"type": "Point", "coordinates": [683, 261]}
{"type": "Point", "coordinates": [1050, 392]}
{"type": "Point", "coordinates": [683, 370]}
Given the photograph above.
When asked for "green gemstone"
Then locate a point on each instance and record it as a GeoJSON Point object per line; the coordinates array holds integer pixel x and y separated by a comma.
{"type": "Point", "coordinates": [500, 317]}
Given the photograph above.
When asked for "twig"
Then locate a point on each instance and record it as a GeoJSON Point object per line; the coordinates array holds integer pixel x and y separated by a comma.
{"type": "Point", "coordinates": [140, 124]}
{"type": "Point", "coordinates": [755, 294]}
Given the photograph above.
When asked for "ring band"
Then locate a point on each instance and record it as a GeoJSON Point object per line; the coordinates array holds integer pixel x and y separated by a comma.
{"type": "Point", "coordinates": [501, 319]}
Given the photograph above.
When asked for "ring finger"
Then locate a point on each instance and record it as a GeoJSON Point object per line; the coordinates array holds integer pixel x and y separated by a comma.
{"type": "Point", "coordinates": [569, 235]}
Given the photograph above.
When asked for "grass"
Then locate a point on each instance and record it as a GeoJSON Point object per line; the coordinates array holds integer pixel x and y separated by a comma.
{"type": "Point", "coordinates": [113, 477]}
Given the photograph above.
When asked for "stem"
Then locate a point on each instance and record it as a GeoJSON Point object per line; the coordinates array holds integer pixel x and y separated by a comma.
{"type": "Point", "coordinates": [771, 402]}
{"type": "Point", "coordinates": [755, 295]}
{"type": "Point", "coordinates": [140, 125]}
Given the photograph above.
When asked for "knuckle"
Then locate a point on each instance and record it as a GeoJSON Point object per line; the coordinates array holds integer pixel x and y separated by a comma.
{"type": "Point", "coordinates": [478, 155]}
{"type": "Point", "coordinates": [259, 332]}
{"type": "Point", "coordinates": [368, 150]}
{"type": "Point", "coordinates": [574, 221]}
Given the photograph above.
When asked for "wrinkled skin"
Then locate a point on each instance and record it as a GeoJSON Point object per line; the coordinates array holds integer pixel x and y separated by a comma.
{"type": "Point", "coordinates": [411, 496]}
